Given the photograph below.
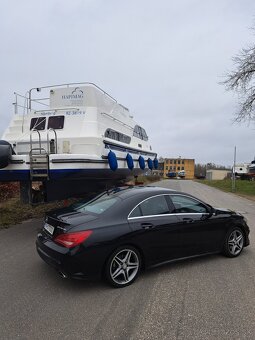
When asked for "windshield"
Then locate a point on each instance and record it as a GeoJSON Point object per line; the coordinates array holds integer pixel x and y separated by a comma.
{"type": "Point", "coordinates": [96, 206]}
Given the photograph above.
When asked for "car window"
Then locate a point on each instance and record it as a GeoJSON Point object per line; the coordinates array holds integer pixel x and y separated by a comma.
{"type": "Point", "coordinates": [136, 212]}
{"type": "Point", "coordinates": [184, 204]}
{"type": "Point", "coordinates": [152, 206]}
{"type": "Point", "coordinates": [98, 205]}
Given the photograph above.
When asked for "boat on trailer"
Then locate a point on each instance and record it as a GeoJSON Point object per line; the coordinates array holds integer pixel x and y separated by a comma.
{"type": "Point", "coordinates": [251, 170]}
{"type": "Point", "coordinates": [73, 138]}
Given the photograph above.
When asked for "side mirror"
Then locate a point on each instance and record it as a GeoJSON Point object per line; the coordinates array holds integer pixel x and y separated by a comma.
{"type": "Point", "coordinates": [211, 211]}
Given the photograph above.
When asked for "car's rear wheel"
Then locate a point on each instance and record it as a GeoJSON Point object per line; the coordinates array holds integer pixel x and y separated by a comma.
{"type": "Point", "coordinates": [234, 242]}
{"type": "Point", "coordinates": [123, 266]}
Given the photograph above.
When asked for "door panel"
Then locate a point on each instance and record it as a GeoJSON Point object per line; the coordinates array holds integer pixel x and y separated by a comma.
{"type": "Point", "coordinates": [200, 233]}
{"type": "Point", "coordinates": [158, 236]}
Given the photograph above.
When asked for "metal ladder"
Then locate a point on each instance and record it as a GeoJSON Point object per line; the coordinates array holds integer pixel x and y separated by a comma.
{"type": "Point", "coordinates": [39, 157]}
{"type": "Point", "coordinates": [39, 160]}
{"type": "Point", "coordinates": [39, 164]}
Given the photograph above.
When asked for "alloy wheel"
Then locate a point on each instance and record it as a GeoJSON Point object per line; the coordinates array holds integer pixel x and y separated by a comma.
{"type": "Point", "coordinates": [235, 242]}
{"type": "Point", "coordinates": [124, 267]}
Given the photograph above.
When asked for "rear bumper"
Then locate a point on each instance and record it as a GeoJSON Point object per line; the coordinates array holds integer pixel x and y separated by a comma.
{"type": "Point", "coordinates": [70, 263]}
{"type": "Point", "coordinates": [60, 266]}
{"type": "Point", "coordinates": [48, 259]}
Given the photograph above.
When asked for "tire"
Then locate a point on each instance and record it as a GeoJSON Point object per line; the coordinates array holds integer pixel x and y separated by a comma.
{"type": "Point", "coordinates": [234, 242]}
{"type": "Point", "coordinates": [123, 267]}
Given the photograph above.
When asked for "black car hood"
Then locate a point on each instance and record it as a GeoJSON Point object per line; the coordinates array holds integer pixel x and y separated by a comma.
{"type": "Point", "coordinates": [224, 211]}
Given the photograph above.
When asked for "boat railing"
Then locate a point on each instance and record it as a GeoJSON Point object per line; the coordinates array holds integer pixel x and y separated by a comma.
{"type": "Point", "coordinates": [58, 109]}
{"type": "Point", "coordinates": [22, 102]}
{"type": "Point", "coordinates": [52, 144]}
{"type": "Point", "coordinates": [30, 102]}
{"type": "Point", "coordinates": [17, 103]}
{"type": "Point", "coordinates": [31, 99]}
{"type": "Point", "coordinates": [40, 102]}
{"type": "Point", "coordinates": [39, 139]}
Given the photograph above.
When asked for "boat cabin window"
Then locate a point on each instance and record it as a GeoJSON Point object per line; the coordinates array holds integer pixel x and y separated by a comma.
{"type": "Point", "coordinates": [140, 133]}
{"type": "Point", "coordinates": [112, 134]}
{"type": "Point", "coordinates": [38, 123]}
{"type": "Point", "coordinates": [56, 122]}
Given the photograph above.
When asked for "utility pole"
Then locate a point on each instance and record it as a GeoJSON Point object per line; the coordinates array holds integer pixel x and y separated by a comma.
{"type": "Point", "coordinates": [234, 173]}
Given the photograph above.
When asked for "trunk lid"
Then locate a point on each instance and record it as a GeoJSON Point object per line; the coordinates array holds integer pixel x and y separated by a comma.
{"type": "Point", "coordinates": [62, 221]}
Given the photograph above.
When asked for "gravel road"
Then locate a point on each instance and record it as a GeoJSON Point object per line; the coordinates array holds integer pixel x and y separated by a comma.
{"type": "Point", "coordinates": [206, 298]}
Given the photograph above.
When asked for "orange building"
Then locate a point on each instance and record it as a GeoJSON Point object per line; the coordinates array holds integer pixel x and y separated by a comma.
{"type": "Point", "coordinates": [182, 167]}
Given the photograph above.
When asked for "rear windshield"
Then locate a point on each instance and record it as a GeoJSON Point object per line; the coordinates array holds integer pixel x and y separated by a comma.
{"type": "Point", "coordinates": [96, 206]}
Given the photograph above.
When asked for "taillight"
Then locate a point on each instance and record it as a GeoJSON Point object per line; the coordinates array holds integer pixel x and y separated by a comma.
{"type": "Point", "coordinates": [70, 240]}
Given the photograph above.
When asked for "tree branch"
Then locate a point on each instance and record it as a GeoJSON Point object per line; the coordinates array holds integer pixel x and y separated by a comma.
{"type": "Point", "coordinates": [242, 81]}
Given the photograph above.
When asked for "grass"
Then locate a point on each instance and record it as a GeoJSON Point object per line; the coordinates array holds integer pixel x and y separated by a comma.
{"type": "Point", "coordinates": [243, 188]}
{"type": "Point", "coordinates": [148, 179]}
{"type": "Point", "coordinates": [13, 211]}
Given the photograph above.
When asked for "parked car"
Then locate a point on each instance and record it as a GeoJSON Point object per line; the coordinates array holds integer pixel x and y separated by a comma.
{"type": "Point", "coordinates": [122, 231]}
{"type": "Point", "coordinates": [171, 174]}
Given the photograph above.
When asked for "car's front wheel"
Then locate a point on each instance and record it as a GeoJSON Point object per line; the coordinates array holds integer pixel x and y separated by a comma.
{"type": "Point", "coordinates": [234, 242]}
{"type": "Point", "coordinates": [123, 266]}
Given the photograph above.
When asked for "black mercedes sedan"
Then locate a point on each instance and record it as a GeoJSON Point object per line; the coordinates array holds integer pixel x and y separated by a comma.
{"type": "Point", "coordinates": [124, 230]}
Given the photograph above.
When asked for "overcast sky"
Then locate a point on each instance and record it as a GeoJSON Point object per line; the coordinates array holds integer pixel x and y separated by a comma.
{"type": "Point", "coordinates": [162, 59]}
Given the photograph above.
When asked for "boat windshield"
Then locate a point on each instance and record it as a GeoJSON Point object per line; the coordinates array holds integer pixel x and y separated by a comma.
{"type": "Point", "coordinates": [96, 206]}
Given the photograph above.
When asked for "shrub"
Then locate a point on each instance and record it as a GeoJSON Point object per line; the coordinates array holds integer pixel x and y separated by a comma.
{"type": "Point", "coordinates": [8, 190]}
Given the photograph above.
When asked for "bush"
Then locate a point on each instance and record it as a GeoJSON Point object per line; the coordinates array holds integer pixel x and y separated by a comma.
{"type": "Point", "coordinates": [148, 179]}
{"type": "Point", "coordinates": [8, 190]}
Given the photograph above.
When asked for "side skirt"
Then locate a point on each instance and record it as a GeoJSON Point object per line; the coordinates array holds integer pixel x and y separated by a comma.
{"type": "Point", "coordinates": [183, 259]}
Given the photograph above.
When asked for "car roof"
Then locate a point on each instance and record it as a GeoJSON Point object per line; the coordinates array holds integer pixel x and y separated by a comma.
{"type": "Point", "coordinates": [130, 196]}
{"type": "Point", "coordinates": [129, 191]}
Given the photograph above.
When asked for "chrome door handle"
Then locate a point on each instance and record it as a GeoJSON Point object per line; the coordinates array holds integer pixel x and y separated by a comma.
{"type": "Point", "coordinates": [188, 220]}
{"type": "Point", "coordinates": [147, 225]}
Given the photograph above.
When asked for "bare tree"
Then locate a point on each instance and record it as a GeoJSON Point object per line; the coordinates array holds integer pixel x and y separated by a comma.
{"type": "Point", "coordinates": [242, 80]}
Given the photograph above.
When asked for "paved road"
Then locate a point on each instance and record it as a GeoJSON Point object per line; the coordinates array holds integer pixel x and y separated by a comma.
{"type": "Point", "coordinates": [206, 298]}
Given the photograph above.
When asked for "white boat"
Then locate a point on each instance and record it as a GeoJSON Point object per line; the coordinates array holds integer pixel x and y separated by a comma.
{"type": "Point", "coordinates": [252, 167]}
{"type": "Point", "coordinates": [73, 132]}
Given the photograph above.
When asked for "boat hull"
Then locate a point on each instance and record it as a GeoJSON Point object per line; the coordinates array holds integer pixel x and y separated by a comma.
{"type": "Point", "coordinates": [66, 167]}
